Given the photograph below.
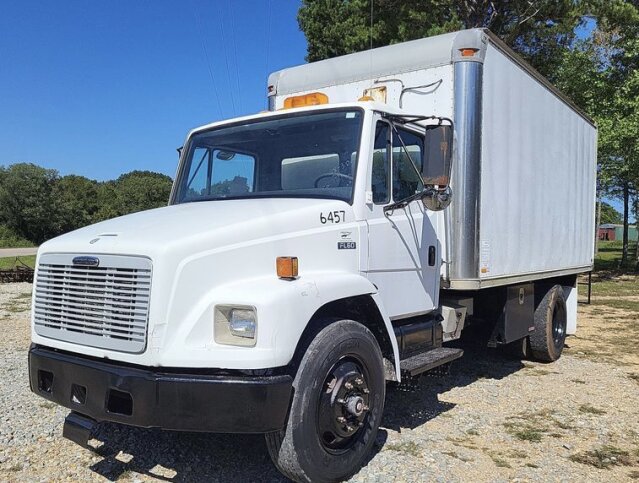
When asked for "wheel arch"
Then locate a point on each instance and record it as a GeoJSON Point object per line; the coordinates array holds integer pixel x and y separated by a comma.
{"type": "Point", "coordinates": [365, 309]}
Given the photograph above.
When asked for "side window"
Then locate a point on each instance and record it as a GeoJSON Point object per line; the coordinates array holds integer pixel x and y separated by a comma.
{"type": "Point", "coordinates": [220, 173]}
{"type": "Point", "coordinates": [381, 165]}
{"type": "Point", "coordinates": [197, 180]}
{"type": "Point", "coordinates": [407, 150]}
{"type": "Point", "coordinates": [233, 173]}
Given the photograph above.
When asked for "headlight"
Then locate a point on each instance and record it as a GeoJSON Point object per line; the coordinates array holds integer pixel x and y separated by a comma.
{"type": "Point", "coordinates": [235, 325]}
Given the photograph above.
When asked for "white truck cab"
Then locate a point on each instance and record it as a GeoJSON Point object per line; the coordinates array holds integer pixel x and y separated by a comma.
{"type": "Point", "coordinates": [314, 252]}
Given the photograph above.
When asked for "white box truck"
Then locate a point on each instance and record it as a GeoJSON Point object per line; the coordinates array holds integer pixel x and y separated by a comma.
{"type": "Point", "coordinates": [312, 253]}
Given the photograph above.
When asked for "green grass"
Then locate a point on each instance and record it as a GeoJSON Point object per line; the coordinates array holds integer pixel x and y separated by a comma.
{"type": "Point", "coordinates": [614, 288]}
{"type": "Point", "coordinates": [408, 447]}
{"type": "Point", "coordinates": [588, 409]}
{"type": "Point", "coordinates": [7, 263]}
{"type": "Point", "coordinates": [604, 457]}
{"type": "Point", "coordinates": [609, 256]}
{"type": "Point", "coordinates": [632, 305]}
{"type": "Point", "coordinates": [528, 433]}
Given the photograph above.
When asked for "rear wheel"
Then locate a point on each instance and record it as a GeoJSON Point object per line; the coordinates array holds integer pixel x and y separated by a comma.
{"type": "Point", "coordinates": [337, 406]}
{"type": "Point", "coordinates": [547, 340]}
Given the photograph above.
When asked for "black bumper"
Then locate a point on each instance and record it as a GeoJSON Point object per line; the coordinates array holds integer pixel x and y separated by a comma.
{"type": "Point", "coordinates": [108, 391]}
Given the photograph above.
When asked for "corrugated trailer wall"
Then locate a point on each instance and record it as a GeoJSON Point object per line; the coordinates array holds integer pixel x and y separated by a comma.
{"type": "Point", "coordinates": [538, 173]}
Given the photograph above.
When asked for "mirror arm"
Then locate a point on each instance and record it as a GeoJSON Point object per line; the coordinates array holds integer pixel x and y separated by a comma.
{"type": "Point", "coordinates": [404, 118]}
{"type": "Point", "coordinates": [389, 209]}
{"type": "Point", "coordinates": [412, 163]}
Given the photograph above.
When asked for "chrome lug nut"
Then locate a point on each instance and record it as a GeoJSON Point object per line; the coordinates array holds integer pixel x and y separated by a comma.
{"type": "Point", "coordinates": [359, 381]}
{"type": "Point", "coordinates": [348, 385]}
{"type": "Point", "coordinates": [341, 419]}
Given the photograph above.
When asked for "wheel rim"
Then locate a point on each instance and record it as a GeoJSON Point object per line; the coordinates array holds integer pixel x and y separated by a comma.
{"type": "Point", "coordinates": [344, 405]}
{"type": "Point", "coordinates": [558, 325]}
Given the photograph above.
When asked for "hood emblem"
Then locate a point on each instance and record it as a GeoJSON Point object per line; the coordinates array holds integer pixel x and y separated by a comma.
{"type": "Point", "coordinates": [86, 261]}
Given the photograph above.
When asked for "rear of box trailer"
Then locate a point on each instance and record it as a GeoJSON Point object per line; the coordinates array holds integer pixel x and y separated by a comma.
{"type": "Point", "coordinates": [524, 172]}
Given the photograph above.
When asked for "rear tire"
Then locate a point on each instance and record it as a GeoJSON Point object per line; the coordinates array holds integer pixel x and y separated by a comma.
{"type": "Point", "coordinates": [547, 340]}
{"type": "Point", "coordinates": [337, 406]}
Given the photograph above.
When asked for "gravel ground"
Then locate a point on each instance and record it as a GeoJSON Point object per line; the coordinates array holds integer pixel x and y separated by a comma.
{"type": "Point", "coordinates": [490, 419]}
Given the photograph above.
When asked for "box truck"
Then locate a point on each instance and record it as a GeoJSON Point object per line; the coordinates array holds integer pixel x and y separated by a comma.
{"type": "Point", "coordinates": [312, 253]}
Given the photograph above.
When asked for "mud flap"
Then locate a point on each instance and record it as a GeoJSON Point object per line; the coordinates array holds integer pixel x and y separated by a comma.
{"type": "Point", "coordinates": [77, 428]}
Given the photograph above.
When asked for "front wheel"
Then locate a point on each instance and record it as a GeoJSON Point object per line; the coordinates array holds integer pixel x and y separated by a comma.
{"type": "Point", "coordinates": [337, 406]}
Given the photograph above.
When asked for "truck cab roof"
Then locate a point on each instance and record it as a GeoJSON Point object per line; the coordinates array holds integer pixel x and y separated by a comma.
{"type": "Point", "coordinates": [364, 105]}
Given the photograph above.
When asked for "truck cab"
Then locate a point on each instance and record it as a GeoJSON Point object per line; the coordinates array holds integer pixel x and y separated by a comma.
{"type": "Point", "coordinates": [307, 256]}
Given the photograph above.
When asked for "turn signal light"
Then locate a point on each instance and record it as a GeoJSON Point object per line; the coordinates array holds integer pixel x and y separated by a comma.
{"type": "Point", "coordinates": [287, 267]}
{"type": "Point", "coordinates": [312, 99]}
{"type": "Point", "coordinates": [468, 52]}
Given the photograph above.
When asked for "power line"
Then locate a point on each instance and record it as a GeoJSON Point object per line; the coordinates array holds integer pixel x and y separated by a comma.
{"type": "Point", "coordinates": [196, 14]}
{"type": "Point", "coordinates": [268, 41]}
{"type": "Point", "coordinates": [237, 69]}
{"type": "Point", "coordinates": [226, 59]}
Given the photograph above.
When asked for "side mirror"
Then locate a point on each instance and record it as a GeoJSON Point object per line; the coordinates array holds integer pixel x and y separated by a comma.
{"type": "Point", "coordinates": [436, 199]}
{"type": "Point", "coordinates": [438, 155]}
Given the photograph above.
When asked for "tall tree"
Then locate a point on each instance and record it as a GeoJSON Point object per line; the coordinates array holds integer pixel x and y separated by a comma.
{"type": "Point", "coordinates": [141, 190]}
{"type": "Point", "coordinates": [27, 205]}
{"type": "Point", "coordinates": [76, 198]}
{"type": "Point", "coordinates": [617, 49]}
{"type": "Point", "coordinates": [609, 215]}
{"type": "Point", "coordinates": [538, 30]}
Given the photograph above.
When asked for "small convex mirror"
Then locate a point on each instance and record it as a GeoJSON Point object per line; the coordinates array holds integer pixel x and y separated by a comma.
{"type": "Point", "coordinates": [438, 154]}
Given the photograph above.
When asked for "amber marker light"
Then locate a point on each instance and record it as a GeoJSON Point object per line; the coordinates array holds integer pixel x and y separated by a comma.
{"type": "Point", "coordinates": [468, 52]}
{"type": "Point", "coordinates": [312, 99]}
{"type": "Point", "coordinates": [287, 267]}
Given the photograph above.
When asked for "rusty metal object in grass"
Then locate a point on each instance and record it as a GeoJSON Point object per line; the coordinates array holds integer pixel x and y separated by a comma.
{"type": "Point", "coordinates": [20, 272]}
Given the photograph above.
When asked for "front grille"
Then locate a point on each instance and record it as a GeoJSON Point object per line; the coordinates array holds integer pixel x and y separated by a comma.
{"type": "Point", "coordinates": [106, 306]}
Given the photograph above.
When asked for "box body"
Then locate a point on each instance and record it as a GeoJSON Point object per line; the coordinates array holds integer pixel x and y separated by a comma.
{"type": "Point", "coordinates": [524, 169]}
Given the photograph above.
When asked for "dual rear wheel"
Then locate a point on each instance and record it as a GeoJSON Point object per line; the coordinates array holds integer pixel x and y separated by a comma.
{"type": "Point", "coordinates": [551, 320]}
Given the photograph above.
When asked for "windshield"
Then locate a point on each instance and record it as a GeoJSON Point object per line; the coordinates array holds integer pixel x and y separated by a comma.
{"type": "Point", "coordinates": [312, 155]}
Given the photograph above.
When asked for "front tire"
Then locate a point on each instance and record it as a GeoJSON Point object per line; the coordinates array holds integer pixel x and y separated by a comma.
{"type": "Point", "coordinates": [547, 340]}
{"type": "Point", "coordinates": [337, 406]}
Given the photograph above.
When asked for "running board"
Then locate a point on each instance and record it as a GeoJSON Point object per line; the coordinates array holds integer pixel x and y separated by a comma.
{"type": "Point", "coordinates": [429, 360]}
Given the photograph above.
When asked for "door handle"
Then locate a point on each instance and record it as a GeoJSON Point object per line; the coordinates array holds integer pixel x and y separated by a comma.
{"type": "Point", "coordinates": [431, 256]}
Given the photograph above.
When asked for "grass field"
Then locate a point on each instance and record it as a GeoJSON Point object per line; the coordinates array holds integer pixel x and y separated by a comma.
{"type": "Point", "coordinates": [6, 263]}
{"type": "Point", "coordinates": [609, 256]}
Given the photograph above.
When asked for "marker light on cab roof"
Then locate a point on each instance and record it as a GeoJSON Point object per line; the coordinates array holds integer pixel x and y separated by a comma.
{"type": "Point", "coordinates": [312, 99]}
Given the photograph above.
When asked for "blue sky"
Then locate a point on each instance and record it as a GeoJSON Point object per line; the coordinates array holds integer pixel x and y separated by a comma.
{"type": "Point", "coordinates": [101, 88]}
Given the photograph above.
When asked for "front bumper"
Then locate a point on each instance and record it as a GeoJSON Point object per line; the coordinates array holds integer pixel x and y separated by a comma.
{"type": "Point", "coordinates": [110, 391]}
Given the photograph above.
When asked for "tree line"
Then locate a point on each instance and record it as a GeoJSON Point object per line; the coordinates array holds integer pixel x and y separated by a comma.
{"type": "Point", "coordinates": [37, 204]}
{"type": "Point", "coordinates": [587, 48]}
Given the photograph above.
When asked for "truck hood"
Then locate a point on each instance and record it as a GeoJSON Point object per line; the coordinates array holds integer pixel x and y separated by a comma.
{"type": "Point", "coordinates": [196, 226]}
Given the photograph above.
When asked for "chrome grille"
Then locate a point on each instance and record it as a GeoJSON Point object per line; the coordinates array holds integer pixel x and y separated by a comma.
{"type": "Point", "coordinates": [106, 306]}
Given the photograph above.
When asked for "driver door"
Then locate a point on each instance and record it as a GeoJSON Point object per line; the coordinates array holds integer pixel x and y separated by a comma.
{"type": "Point", "coordinates": [403, 252]}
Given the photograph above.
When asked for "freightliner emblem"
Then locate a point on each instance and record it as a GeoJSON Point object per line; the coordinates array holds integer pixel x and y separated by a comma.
{"type": "Point", "coordinates": [86, 261]}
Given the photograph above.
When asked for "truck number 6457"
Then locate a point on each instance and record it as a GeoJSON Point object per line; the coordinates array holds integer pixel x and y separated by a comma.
{"type": "Point", "coordinates": [338, 216]}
